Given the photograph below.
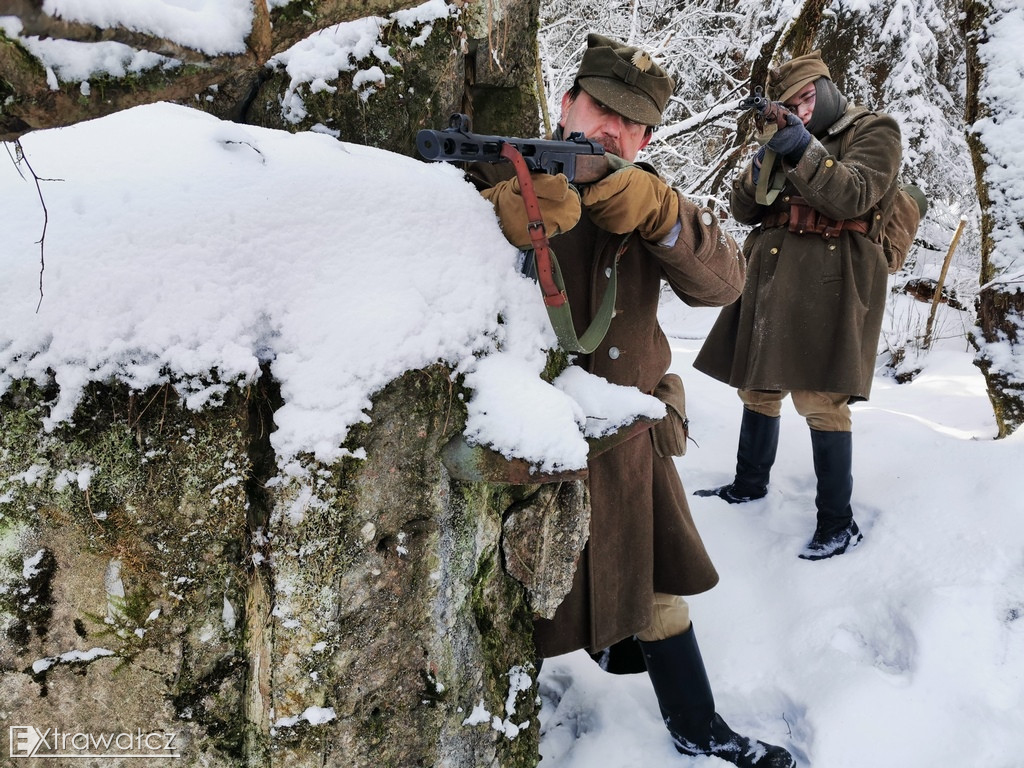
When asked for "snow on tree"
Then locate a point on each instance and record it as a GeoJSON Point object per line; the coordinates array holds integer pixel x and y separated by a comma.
{"type": "Point", "coordinates": [997, 116]}
{"type": "Point", "coordinates": [905, 57]}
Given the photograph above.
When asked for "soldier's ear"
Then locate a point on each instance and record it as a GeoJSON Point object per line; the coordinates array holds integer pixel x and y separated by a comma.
{"type": "Point", "coordinates": [647, 137]}
{"type": "Point", "coordinates": [567, 100]}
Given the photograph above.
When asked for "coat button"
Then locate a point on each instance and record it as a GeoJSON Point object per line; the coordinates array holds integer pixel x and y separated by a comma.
{"type": "Point", "coordinates": [608, 272]}
{"type": "Point", "coordinates": [774, 250]}
{"type": "Point", "coordinates": [829, 163]}
{"type": "Point", "coordinates": [832, 247]}
{"type": "Point", "coordinates": [705, 219]}
{"type": "Point", "coordinates": [613, 353]}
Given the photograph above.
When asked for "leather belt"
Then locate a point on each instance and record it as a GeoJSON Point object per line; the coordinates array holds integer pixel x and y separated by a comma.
{"type": "Point", "coordinates": [802, 219]}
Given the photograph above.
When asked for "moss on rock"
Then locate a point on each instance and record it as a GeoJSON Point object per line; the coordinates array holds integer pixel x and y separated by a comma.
{"type": "Point", "coordinates": [371, 589]}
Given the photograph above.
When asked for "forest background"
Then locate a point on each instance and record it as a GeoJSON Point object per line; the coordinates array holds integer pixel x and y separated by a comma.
{"type": "Point", "coordinates": [947, 70]}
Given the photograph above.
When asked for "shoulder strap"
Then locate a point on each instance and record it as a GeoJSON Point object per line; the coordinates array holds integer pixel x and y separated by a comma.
{"type": "Point", "coordinates": [880, 213]}
{"type": "Point", "coordinates": [561, 316]}
{"type": "Point", "coordinates": [549, 274]}
{"type": "Point", "coordinates": [769, 183]}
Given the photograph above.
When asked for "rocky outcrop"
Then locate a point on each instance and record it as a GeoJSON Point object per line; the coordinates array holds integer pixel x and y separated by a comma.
{"type": "Point", "coordinates": [480, 59]}
{"type": "Point", "coordinates": [160, 575]}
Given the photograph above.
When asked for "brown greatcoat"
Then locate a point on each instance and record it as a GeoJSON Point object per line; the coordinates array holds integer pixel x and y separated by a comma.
{"type": "Point", "coordinates": [642, 536]}
{"type": "Point", "coordinates": [812, 307]}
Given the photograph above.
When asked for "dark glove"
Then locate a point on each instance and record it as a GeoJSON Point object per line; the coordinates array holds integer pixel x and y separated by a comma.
{"type": "Point", "coordinates": [633, 199]}
{"type": "Point", "coordinates": [559, 206]}
{"type": "Point", "coordinates": [755, 170]}
{"type": "Point", "coordinates": [791, 141]}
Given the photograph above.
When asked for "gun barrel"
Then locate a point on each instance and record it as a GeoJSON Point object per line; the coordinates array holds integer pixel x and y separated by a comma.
{"type": "Point", "coordinates": [457, 144]}
{"type": "Point", "coordinates": [756, 100]}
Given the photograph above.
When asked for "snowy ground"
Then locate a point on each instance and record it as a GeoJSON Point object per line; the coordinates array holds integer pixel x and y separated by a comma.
{"type": "Point", "coordinates": [906, 653]}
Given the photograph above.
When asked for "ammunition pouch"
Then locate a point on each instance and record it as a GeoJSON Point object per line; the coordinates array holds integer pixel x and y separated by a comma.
{"type": "Point", "coordinates": [802, 219]}
{"type": "Point", "coordinates": [671, 432]}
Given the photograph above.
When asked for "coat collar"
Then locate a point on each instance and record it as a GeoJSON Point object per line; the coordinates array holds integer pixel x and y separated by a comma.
{"type": "Point", "coordinates": [852, 114]}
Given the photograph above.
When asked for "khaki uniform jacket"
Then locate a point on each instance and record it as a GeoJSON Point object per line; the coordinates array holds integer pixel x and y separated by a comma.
{"type": "Point", "coordinates": [642, 536]}
{"type": "Point", "coordinates": [812, 307]}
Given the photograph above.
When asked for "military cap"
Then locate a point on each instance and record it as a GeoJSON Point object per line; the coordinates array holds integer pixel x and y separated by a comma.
{"type": "Point", "coordinates": [624, 78]}
{"type": "Point", "coordinates": [787, 79]}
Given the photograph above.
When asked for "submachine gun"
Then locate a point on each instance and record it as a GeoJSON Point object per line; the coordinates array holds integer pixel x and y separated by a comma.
{"type": "Point", "coordinates": [581, 160]}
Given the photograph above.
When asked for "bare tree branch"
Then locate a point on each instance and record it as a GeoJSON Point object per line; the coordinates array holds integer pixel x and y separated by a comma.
{"type": "Point", "coordinates": [18, 158]}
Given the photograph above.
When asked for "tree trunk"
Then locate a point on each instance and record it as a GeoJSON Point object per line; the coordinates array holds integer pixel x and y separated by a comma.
{"type": "Point", "coordinates": [1000, 302]}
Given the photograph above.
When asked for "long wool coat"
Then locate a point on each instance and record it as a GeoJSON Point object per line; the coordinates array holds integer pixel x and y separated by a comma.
{"type": "Point", "coordinates": [642, 536]}
{"type": "Point", "coordinates": [812, 307]}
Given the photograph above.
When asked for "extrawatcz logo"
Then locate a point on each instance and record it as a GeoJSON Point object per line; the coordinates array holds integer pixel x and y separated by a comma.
{"type": "Point", "coordinates": [29, 741]}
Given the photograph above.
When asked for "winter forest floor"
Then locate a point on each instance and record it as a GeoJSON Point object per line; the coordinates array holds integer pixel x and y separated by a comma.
{"type": "Point", "coordinates": [908, 652]}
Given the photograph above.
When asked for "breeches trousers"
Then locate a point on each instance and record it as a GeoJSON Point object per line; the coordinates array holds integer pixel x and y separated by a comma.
{"type": "Point", "coordinates": [824, 411]}
{"type": "Point", "coordinates": [671, 618]}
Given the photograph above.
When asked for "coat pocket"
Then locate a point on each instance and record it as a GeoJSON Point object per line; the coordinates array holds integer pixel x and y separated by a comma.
{"type": "Point", "coordinates": [670, 433]}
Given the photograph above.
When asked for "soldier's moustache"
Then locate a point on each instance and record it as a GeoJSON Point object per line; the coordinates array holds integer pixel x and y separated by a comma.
{"type": "Point", "coordinates": [610, 145]}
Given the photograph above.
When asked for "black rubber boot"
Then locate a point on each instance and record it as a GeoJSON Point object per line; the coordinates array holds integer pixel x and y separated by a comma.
{"type": "Point", "coordinates": [688, 706]}
{"type": "Point", "coordinates": [836, 531]}
{"type": "Point", "coordinates": [755, 455]}
{"type": "Point", "coordinates": [623, 658]}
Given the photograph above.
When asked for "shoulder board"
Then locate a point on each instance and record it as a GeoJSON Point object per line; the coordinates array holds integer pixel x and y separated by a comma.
{"type": "Point", "coordinates": [848, 118]}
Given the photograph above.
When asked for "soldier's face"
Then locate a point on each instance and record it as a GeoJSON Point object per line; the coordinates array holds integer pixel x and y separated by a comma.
{"type": "Point", "coordinates": [802, 102]}
{"type": "Point", "coordinates": [617, 134]}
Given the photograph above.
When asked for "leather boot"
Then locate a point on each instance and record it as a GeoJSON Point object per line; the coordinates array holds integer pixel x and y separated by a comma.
{"type": "Point", "coordinates": [623, 658]}
{"type": "Point", "coordinates": [836, 531]}
{"type": "Point", "coordinates": [755, 455]}
{"type": "Point", "coordinates": [688, 707]}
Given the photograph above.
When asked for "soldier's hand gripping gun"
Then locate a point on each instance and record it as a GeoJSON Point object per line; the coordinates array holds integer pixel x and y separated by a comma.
{"type": "Point", "coordinates": [769, 117]}
{"type": "Point", "coordinates": [581, 160]}
{"type": "Point", "coordinates": [767, 111]}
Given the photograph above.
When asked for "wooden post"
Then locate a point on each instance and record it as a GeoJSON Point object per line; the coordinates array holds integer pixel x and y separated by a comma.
{"type": "Point", "coordinates": [942, 280]}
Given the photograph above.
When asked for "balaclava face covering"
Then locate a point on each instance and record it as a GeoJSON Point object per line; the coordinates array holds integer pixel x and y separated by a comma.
{"type": "Point", "coordinates": [829, 105]}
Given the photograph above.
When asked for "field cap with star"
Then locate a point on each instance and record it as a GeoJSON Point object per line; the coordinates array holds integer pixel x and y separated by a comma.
{"type": "Point", "coordinates": [625, 79]}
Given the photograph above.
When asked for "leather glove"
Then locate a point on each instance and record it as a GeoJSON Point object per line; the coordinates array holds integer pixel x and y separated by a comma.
{"type": "Point", "coordinates": [755, 171]}
{"type": "Point", "coordinates": [791, 141]}
{"type": "Point", "coordinates": [559, 206]}
{"type": "Point", "coordinates": [633, 199]}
